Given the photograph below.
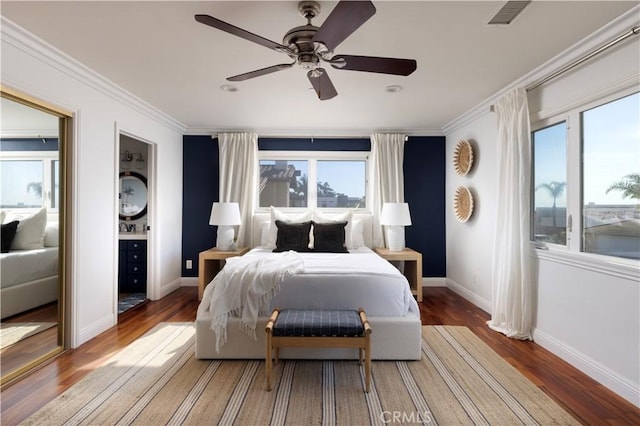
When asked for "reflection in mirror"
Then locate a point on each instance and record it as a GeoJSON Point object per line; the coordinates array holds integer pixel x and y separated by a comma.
{"type": "Point", "coordinates": [133, 195]}
{"type": "Point", "coordinates": [31, 199]}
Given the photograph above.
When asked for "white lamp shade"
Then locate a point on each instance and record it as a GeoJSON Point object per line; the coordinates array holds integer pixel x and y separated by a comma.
{"type": "Point", "coordinates": [225, 214]}
{"type": "Point", "coordinates": [395, 214]}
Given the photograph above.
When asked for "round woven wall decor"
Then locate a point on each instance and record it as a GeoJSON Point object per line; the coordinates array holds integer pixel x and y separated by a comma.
{"type": "Point", "coordinates": [463, 157]}
{"type": "Point", "coordinates": [463, 204]}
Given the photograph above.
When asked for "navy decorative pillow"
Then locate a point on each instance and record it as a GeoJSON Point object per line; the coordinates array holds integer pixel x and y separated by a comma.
{"type": "Point", "coordinates": [292, 236]}
{"type": "Point", "coordinates": [8, 234]}
{"type": "Point", "coordinates": [329, 237]}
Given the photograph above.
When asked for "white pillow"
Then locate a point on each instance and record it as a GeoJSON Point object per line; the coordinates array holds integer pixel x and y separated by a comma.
{"type": "Point", "coordinates": [264, 232]}
{"type": "Point", "coordinates": [30, 233]}
{"type": "Point", "coordinates": [320, 217]}
{"type": "Point", "coordinates": [357, 233]}
{"type": "Point", "coordinates": [279, 215]}
{"type": "Point", "coordinates": [51, 235]}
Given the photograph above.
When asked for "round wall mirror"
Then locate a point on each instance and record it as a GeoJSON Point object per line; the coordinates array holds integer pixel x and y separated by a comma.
{"type": "Point", "coordinates": [133, 196]}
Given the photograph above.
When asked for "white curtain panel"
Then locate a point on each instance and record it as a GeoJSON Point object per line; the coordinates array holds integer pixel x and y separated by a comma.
{"type": "Point", "coordinates": [386, 175]}
{"type": "Point", "coordinates": [511, 270]}
{"type": "Point", "coordinates": [238, 153]}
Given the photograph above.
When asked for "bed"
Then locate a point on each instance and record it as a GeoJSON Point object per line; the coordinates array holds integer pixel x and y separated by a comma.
{"type": "Point", "coordinates": [359, 278]}
{"type": "Point", "coordinates": [29, 270]}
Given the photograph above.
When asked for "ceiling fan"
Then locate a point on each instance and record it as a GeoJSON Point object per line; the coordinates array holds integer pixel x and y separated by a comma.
{"type": "Point", "coordinates": [309, 46]}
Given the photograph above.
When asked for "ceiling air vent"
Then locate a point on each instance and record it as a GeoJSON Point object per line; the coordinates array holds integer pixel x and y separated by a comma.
{"type": "Point", "coordinates": [508, 12]}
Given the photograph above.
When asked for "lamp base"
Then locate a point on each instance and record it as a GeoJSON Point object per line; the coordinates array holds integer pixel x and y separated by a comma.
{"type": "Point", "coordinates": [395, 238]}
{"type": "Point", "coordinates": [224, 238]}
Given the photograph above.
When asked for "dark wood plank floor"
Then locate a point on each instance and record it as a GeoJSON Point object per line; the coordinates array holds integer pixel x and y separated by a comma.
{"type": "Point", "coordinates": [588, 401]}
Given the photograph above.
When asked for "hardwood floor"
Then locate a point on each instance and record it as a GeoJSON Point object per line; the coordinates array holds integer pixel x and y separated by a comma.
{"type": "Point", "coordinates": [590, 402]}
{"type": "Point", "coordinates": [30, 348]}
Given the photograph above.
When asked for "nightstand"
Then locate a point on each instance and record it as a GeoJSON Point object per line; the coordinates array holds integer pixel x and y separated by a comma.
{"type": "Point", "coordinates": [412, 266]}
{"type": "Point", "coordinates": [211, 262]}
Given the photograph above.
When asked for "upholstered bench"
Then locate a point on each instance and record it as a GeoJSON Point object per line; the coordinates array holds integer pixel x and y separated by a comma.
{"type": "Point", "coordinates": [319, 329]}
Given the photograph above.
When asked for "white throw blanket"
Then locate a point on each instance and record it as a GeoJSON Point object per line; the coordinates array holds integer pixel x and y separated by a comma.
{"type": "Point", "coordinates": [244, 288]}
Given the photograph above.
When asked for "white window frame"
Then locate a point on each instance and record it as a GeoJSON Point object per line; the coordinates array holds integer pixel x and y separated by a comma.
{"type": "Point", "coordinates": [312, 158]}
{"type": "Point", "coordinates": [572, 253]}
{"type": "Point", "coordinates": [47, 158]}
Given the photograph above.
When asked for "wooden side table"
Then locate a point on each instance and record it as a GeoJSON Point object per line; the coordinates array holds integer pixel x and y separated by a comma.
{"type": "Point", "coordinates": [210, 262]}
{"type": "Point", "coordinates": [412, 266]}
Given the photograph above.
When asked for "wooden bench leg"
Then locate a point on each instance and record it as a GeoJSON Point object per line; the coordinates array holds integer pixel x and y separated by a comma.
{"type": "Point", "coordinates": [268, 361]}
{"type": "Point", "coordinates": [367, 364]}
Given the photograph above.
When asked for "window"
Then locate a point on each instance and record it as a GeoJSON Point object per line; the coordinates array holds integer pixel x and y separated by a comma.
{"type": "Point", "coordinates": [283, 183]}
{"type": "Point", "coordinates": [341, 183]}
{"type": "Point", "coordinates": [313, 179]}
{"type": "Point", "coordinates": [586, 179]}
{"type": "Point", "coordinates": [29, 180]}
{"type": "Point", "coordinates": [611, 178]}
{"type": "Point", "coordinates": [550, 180]}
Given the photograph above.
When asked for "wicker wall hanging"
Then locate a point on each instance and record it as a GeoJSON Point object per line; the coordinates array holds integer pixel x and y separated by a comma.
{"type": "Point", "coordinates": [463, 204]}
{"type": "Point", "coordinates": [463, 157]}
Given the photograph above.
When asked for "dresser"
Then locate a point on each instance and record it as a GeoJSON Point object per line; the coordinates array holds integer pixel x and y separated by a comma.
{"type": "Point", "coordinates": [132, 273]}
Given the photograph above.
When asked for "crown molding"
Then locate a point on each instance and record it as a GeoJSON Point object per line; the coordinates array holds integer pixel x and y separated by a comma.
{"type": "Point", "coordinates": [37, 48]}
{"type": "Point", "coordinates": [601, 36]}
{"type": "Point", "coordinates": [334, 133]}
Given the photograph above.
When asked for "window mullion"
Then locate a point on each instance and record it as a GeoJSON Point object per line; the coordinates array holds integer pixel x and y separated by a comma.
{"type": "Point", "coordinates": [312, 184]}
{"type": "Point", "coordinates": [574, 182]}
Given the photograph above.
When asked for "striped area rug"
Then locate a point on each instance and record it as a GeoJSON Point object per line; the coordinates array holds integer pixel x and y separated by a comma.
{"type": "Point", "coordinates": [156, 380]}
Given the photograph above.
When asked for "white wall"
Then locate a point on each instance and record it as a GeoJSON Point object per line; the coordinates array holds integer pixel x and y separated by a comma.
{"type": "Point", "coordinates": [586, 310]}
{"type": "Point", "coordinates": [100, 109]}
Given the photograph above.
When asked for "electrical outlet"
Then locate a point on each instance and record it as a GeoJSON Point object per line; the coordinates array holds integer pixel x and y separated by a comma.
{"type": "Point", "coordinates": [189, 264]}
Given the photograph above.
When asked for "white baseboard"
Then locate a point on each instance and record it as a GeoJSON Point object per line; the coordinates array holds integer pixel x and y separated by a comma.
{"type": "Point", "coordinates": [189, 282]}
{"type": "Point", "coordinates": [434, 282]}
{"type": "Point", "coordinates": [97, 327]}
{"type": "Point", "coordinates": [593, 369]}
{"type": "Point", "coordinates": [479, 301]}
{"type": "Point", "coordinates": [168, 288]}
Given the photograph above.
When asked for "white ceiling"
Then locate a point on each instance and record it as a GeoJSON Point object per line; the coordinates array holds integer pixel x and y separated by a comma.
{"type": "Point", "coordinates": [158, 52]}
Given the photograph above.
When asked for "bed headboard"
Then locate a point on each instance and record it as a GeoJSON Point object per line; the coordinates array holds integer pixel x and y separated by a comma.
{"type": "Point", "coordinates": [262, 217]}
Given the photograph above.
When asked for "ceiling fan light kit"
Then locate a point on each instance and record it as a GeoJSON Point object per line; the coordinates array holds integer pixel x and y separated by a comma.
{"type": "Point", "coordinates": [308, 46]}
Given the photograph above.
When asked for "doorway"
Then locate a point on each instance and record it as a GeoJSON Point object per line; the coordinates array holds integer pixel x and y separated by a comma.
{"type": "Point", "coordinates": [133, 222]}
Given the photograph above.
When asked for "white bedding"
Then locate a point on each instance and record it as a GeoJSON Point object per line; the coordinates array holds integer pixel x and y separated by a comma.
{"type": "Point", "coordinates": [20, 266]}
{"type": "Point", "coordinates": [360, 278]}
{"type": "Point", "coordinates": [329, 281]}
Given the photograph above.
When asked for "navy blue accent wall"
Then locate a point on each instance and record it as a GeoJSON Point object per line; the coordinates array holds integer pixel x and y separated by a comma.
{"type": "Point", "coordinates": [29, 144]}
{"type": "Point", "coordinates": [308, 144]}
{"type": "Point", "coordinates": [199, 191]}
{"type": "Point", "coordinates": [424, 191]}
{"type": "Point", "coordinates": [424, 170]}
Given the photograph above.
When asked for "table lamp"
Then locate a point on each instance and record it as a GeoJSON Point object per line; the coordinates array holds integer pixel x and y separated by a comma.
{"type": "Point", "coordinates": [225, 216]}
{"type": "Point", "coordinates": [395, 216]}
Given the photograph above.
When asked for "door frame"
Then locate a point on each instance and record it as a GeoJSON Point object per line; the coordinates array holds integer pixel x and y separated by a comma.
{"type": "Point", "coordinates": [151, 212]}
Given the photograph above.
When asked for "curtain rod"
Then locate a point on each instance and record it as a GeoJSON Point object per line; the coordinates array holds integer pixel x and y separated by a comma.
{"type": "Point", "coordinates": [633, 31]}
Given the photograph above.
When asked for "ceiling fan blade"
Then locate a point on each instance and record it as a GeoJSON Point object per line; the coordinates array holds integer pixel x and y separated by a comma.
{"type": "Point", "coordinates": [236, 31]}
{"type": "Point", "coordinates": [322, 84]}
{"type": "Point", "coordinates": [394, 66]}
{"type": "Point", "coordinates": [343, 20]}
{"type": "Point", "coordinates": [258, 73]}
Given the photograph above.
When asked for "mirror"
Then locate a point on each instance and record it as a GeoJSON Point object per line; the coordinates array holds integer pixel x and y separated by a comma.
{"type": "Point", "coordinates": [133, 196]}
{"type": "Point", "coordinates": [33, 142]}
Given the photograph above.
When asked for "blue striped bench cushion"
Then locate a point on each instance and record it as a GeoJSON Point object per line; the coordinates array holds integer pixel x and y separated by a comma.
{"type": "Point", "coordinates": [293, 322]}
